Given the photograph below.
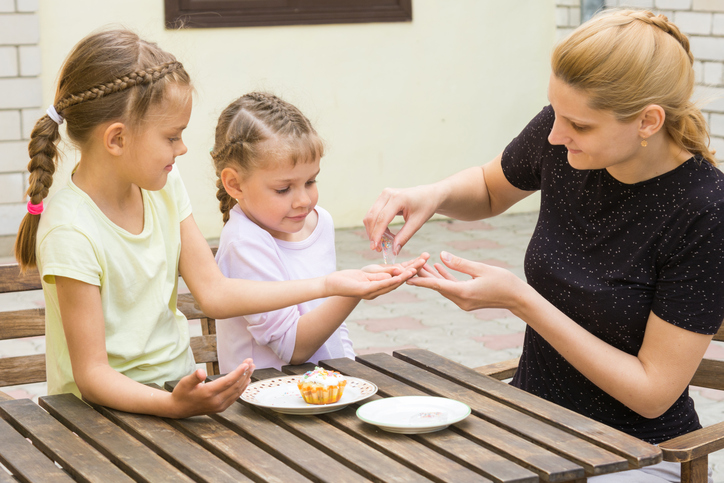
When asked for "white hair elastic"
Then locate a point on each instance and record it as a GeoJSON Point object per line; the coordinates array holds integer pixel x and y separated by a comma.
{"type": "Point", "coordinates": [53, 114]}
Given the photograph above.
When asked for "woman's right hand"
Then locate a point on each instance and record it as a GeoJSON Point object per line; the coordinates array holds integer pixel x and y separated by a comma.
{"type": "Point", "coordinates": [416, 205]}
{"type": "Point", "coordinates": [192, 396]}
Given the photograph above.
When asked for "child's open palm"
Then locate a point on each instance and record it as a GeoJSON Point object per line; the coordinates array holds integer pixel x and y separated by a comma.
{"type": "Point", "coordinates": [193, 396]}
{"type": "Point", "coordinates": [373, 280]}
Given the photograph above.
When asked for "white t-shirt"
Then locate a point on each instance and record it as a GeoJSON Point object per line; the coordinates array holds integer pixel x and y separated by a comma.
{"type": "Point", "coordinates": [248, 251]}
{"type": "Point", "coordinates": [147, 338]}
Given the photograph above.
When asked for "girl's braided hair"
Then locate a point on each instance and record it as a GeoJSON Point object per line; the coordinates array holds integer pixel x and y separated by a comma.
{"type": "Point", "coordinates": [243, 130]}
{"type": "Point", "coordinates": [109, 75]}
{"type": "Point", "coordinates": [625, 60]}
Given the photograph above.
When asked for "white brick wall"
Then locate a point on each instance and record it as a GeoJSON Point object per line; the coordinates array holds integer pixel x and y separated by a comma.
{"type": "Point", "coordinates": [20, 107]}
{"type": "Point", "coordinates": [568, 16]}
{"type": "Point", "coordinates": [703, 22]}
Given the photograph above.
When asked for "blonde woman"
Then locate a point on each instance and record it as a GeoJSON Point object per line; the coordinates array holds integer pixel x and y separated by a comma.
{"type": "Point", "coordinates": [625, 283]}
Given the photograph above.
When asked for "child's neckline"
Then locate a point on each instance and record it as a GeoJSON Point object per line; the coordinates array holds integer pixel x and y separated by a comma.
{"type": "Point", "coordinates": [107, 219]}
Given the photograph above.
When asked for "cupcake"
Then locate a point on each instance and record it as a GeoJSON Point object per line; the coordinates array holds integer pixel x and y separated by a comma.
{"type": "Point", "coordinates": [321, 386]}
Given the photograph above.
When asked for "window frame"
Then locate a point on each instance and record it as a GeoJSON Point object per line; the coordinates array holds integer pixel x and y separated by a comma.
{"type": "Point", "coordinates": [256, 13]}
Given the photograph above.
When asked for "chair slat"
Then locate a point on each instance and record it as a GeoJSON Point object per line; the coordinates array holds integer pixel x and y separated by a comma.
{"type": "Point", "coordinates": [22, 370]}
{"type": "Point", "coordinates": [709, 374]}
{"type": "Point", "coordinates": [17, 324]}
{"type": "Point", "coordinates": [11, 280]}
{"type": "Point", "coordinates": [204, 348]}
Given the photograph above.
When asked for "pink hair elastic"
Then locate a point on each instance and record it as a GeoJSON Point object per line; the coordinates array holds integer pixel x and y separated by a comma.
{"type": "Point", "coordinates": [35, 209]}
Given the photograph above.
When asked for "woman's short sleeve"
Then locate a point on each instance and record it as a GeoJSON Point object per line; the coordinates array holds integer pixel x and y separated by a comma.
{"type": "Point", "coordinates": [522, 158]}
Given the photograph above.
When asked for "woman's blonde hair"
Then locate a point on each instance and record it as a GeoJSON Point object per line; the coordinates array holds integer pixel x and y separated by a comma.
{"type": "Point", "coordinates": [109, 76]}
{"type": "Point", "coordinates": [243, 130]}
{"type": "Point", "coordinates": [625, 60]}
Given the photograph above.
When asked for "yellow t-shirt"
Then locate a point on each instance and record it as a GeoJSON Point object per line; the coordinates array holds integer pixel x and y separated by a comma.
{"type": "Point", "coordinates": [147, 338]}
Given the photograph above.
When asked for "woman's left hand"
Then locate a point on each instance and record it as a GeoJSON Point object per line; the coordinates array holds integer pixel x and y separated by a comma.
{"type": "Point", "coordinates": [489, 287]}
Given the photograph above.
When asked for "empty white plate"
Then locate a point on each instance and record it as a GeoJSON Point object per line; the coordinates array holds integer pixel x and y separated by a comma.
{"type": "Point", "coordinates": [413, 414]}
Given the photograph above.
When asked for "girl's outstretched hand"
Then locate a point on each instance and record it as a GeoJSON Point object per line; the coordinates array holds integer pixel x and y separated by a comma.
{"type": "Point", "coordinates": [489, 287]}
{"type": "Point", "coordinates": [192, 396]}
{"type": "Point", "coordinates": [373, 280]}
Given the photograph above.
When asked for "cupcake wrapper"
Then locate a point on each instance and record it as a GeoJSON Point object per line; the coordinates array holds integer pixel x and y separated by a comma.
{"type": "Point", "coordinates": [317, 394]}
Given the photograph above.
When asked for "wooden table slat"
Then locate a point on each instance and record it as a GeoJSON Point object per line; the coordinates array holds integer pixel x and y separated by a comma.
{"type": "Point", "coordinates": [443, 455]}
{"type": "Point", "coordinates": [289, 448]}
{"type": "Point", "coordinates": [122, 449]}
{"type": "Point", "coordinates": [548, 465]}
{"type": "Point", "coordinates": [637, 452]}
{"type": "Point", "coordinates": [8, 478]}
{"type": "Point", "coordinates": [174, 447]}
{"type": "Point", "coordinates": [25, 461]}
{"type": "Point", "coordinates": [593, 458]}
{"type": "Point", "coordinates": [76, 456]}
{"type": "Point", "coordinates": [234, 449]}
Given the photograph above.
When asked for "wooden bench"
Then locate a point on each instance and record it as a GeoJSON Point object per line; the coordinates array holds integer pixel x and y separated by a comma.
{"type": "Point", "coordinates": [30, 368]}
{"type": "Point", "coordinates": [691, 450]}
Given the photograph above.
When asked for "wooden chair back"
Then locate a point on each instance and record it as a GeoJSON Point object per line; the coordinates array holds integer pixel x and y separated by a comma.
{"type": "Point", "coordinates": [711, 372]}
{"type": "Point", "coordinates": [18, 324]}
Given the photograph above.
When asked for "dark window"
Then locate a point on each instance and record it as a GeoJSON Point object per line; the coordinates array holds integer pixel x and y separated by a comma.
{"type": "Point", "coordinates": [253, 13]}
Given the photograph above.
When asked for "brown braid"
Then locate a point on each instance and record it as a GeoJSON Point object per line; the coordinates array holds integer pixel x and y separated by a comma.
{"type": "Point", "coordinates": [142, 77]}
{"type": "Point", "coordinates": [43, 152]}
{"type": "Point", "coordinates": [226, 202]}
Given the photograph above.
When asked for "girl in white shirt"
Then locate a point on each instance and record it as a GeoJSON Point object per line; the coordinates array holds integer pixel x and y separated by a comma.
{"type": "Point", "coordinates": [267, 157]}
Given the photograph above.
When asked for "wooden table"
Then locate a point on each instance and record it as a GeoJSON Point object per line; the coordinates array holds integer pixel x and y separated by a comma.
{"type": "Point", "coordinates": [511, 436]}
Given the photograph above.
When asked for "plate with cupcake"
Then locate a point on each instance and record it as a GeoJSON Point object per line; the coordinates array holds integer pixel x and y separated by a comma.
{"type": "Point", "coordinates": [315, 392]}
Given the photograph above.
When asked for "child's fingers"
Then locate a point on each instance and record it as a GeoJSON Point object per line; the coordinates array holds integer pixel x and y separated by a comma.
{"type": "Point", "coordinates": [416, 262]}
{"type": "Point", "coordinates": [229, 387]}
{"type": "Point", "coordinates": [428, 271]}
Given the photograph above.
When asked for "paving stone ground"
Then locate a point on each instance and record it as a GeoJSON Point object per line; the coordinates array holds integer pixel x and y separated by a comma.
{"type": "Point", "coordinates": [415, 317]}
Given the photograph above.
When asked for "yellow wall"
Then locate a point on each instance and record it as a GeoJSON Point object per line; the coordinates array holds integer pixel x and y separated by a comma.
{"type": "Point", "coordinates": [398, 104]}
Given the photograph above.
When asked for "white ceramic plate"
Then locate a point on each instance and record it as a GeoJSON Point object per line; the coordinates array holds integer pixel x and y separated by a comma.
{"type": "Point", "coordinates": [282, 395]}
{"type": "Point", "coordinates": [413, 414]}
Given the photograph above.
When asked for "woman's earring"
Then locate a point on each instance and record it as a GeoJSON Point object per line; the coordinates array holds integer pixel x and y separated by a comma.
{"type": "Point", "coordinates": [644, 143]}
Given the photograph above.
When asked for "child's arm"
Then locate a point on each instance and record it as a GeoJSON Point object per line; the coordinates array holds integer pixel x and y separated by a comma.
{"type": "Point", "coordinates": [222, 298]}
{"type": "Point", "coordinates": [84, 328]}
{"type": "Point", "coordinates": [317, 325]}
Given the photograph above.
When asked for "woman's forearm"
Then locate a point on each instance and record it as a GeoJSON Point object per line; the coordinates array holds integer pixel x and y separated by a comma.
{"type": "Point", "coordinates": [648, 382]}
{"type": "Point", "coordinates": [462, 196]}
